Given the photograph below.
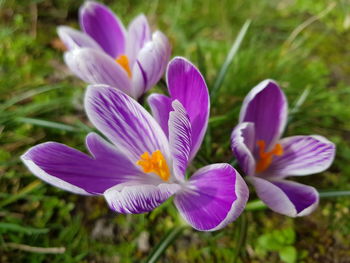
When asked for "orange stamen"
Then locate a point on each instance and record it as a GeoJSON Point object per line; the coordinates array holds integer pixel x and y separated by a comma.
{"type": "Point", "coordinates": [123, 61]}
{"type": "Point", "coordinates": [155, 163]}
{"type": "Point", "coordinates": [266, 157]}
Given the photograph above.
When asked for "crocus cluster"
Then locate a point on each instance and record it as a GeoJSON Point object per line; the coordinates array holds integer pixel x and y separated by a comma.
{"type": "Point", "coordinates": [139, 160]}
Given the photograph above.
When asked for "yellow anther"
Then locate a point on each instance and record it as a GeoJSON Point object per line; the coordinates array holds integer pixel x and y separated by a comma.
{"type": "Point", "coordinates": [155, 163]}
{"type": "Point", "coordinates": [265, 159]}
{"type": "Point", "coordinates": [123, 61]}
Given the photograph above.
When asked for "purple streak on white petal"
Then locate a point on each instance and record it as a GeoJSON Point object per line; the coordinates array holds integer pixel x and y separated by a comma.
{"type": "Point", "coordinates": [139, 33]}
{"type": "Point", "coordinates": [266, 106]}
{"type": "Point", "coordinates": [76, 39]}
{"type": "Point", "coordinates": [95, 67]}
{"type": "Point", "coordinates": [180, 134]}
{"type": "Point", "coordinates": [161, 107]}
{"type": "Point", "coordinates": [74, 171]}
{"type": "Point", "coordinates": [104, 27]}
{"type": "Point", "coordinates": [124, 122]}
{"type": "Point", "coordinates": [186, 84]}
{"type": "Point", "coordinates": [215, 196]}
{"type": "Point", "coordinates": [138, 198]}
{"type": "Point", "coordinates": [151, 63]}
{"type": "Point", "coordinates": [285, 197]}
{"type": "Point", "coordinates": [302, 155]}
{"type": "Point", "coordinates": [242, 145]}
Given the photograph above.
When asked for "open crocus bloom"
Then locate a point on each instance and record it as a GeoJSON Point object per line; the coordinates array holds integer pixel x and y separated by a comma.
{"type": "Point", "coordinates": [140, 167]}
{"type": "Point", "coordinates": [268, 160]}
{"type": "Point", "coordinates": [131, 60]}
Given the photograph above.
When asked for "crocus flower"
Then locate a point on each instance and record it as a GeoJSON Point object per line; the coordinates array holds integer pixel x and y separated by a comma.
{"type": "Point", "coordinates": [268, 160]}
{"type": "Point", "coordinates": [131, 60]}
{"type": "Point", "coordinates": [141, 167]}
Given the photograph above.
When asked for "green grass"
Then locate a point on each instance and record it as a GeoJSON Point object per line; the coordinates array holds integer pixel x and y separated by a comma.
{"type": "Point", "coordinates": [41, 101]}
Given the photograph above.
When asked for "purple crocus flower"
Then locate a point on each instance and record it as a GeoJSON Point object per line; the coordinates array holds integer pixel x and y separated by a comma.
{"type": "Point", "coordinates": [131, 60]}
{"type": "Point", "coordinates": [267, 159]}
{"type": "Point", "coordinates": [141, 166]}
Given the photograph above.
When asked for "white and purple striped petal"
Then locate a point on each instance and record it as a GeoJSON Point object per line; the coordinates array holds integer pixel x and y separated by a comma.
{"type": "Point", "coordinates": [74, 171]}
{"type": "Point", "coordinates": [104, 27]}
{"type": "Point", "coordinates": [124, 122]}
{"type": "Point", "coordinates": [180, 134]}
{"type": "Point", "coordinates": [266, 107]}
{"type": "Point", "coordinates": [242, 145]}
{"type": "Point", "coordinates": [161, 107]}
{"type": "Point", "coordinates": [135, 198]}
{"type": "Point", "coordinates": [286, 197]}
{"type": "Point", "coordinates": [95, 67]}
{"type": "Point", "coordinates": [151, 63]}
{"type": "Point", "coordinates": [186, 84]}
{"type": "Point", "coordinates": [73, 38]}
{"type": "Point", "coordinates": [303, 155]}
{"type": "Point", "coordinates": [214, 196]}
{"type": "Point", "coordinates": [139, 33]}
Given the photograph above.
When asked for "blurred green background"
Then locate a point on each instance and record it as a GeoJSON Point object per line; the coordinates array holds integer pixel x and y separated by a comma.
{"type": "Point", "coordinates": [304, 45]}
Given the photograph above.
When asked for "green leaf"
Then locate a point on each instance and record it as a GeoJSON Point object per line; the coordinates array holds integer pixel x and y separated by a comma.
{"type": "Point", "coordinates": [288, 254]}
{"type": "Point", "coordinates": [269, 242]}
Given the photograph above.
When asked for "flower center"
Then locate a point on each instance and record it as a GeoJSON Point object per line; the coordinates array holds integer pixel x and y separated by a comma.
{"type": "Point", "coordinates": [123, 61]}
{"type": "Point", "coordinates": [266, 157]}
{"type": "Point", "coordinates": [155, 163]}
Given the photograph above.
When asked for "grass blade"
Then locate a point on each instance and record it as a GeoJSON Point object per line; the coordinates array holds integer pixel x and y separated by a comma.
{"type": "Point", "coordinates": [166, 241]}
{"type": "Point", "coordinates": [233, 51]}
{"type": "Point", "coordinates": [49, 124]}
{"type": "Point", "coordinates": [6, 227]}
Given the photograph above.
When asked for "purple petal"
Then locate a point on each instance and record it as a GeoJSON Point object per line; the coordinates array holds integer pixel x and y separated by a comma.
{"type": "Point", "coordinates": [286, 197]}
{"type": "Point", "coordinates": [302, 155]}
{"type": "Point", "coordinates": [75, 39]}
{"type": "Point", "coordinates": [151, 63]}
{"type": "Point", "coordinates": [139, 198]}
{"type": "Point", "coordinates": [242, 145]}
{"type": "Point", "coordinates": [95, 67]}
{"type": "Point", "coordinates": [161, 107]}
{"type": "Point", "coordinates": [179, 138]}
{"type": "Point", "coordinates": [139, 33]}
{"type": "Point", "coordinates": [124, 122]}
{"type": "Point", "coordinates": [186, 84]}
{"type": "Point", "coordinates": [215, 196]}
{"type": "Point", "coordinates": [266, 107]}
{"type": "Point", "coordinates": [74, 171]}
{"type": "Point", "coordinates": [104, 27]}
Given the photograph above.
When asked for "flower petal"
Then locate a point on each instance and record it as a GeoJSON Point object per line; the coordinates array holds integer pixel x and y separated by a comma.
{"type": "Point", "coordinates": [75, 39]}
{"type": "Point", "coordinates": [138, 198]}
{"type": "Point", "coordinates": [186, 84]}
{"type": "Point", "coordinates": [302, 155]}
{"type": "Point", "coordinates": [139, 33]}
{"type": "Point", "coordinates": [151, 63]}
{"type": "Point", "coordinates": [242, 145]}
{"type": "Point", "coordinates": [161, 107]}
{"type": "Point", "coordinates": [180, 134]}
{"type": "Point", "coordinates": [104, 27]}
{"type": "Point", "coordinates": [95, 67]}
{"type": "Point", "coordinates": [124, 122]}
{"type": "Point", "coordinates": [286, 197]}
{"type": "Point", "coordinates": [215, 196]}
{"type": "Point", "coordinates": [74, 171]}
{"type": "Point", "coordinates": [266, 107]}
